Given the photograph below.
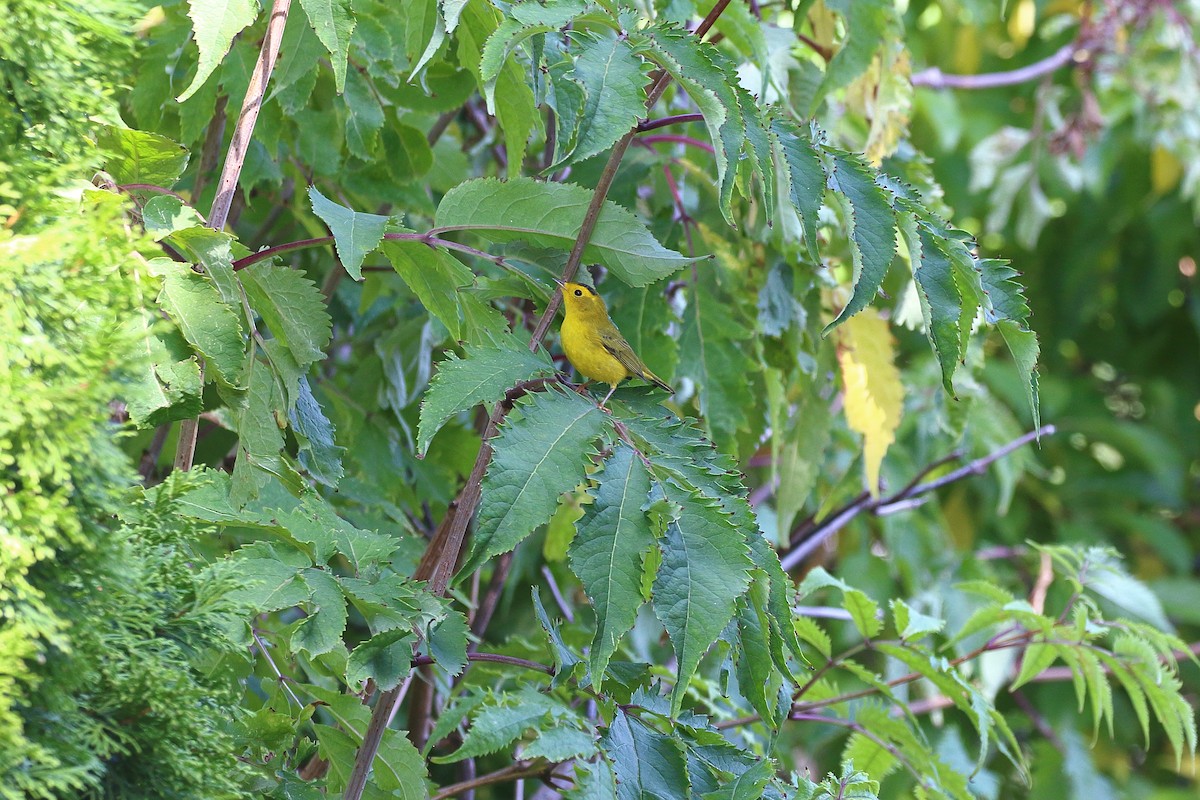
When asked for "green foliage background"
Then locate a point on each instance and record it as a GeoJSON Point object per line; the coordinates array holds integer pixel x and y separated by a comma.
{"type": "Point", "coordinates": [618, 622]}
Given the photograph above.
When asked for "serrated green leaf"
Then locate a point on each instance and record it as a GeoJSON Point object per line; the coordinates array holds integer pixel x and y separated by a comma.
{"type": "Point", "coordinates": [545, 18]}
{"type": "Point", "coordinates": [448, 642]}
{"type": "Point", "coordinates": [483, 376]}
{"type": "Point", "coordinates": [705, 567]}
{"type": "Point", "coordinates": [139, 156]}
{"type": "Point", "coordinates": [560, 743]}
{"type": "Point", "coordinates": [165, 214]}
{"type": "Point", "coordinates": [593, 781]}
{"type": "Point", "coordinates": [747, 785]}
{"type": "Point", "coordinates": [550, 215]}
{"type": "Point", "coordinates": [607, 552]}
{"type": "Point", "coordinates": [434, 276]}
{"type": "Point", "coordinates": [214, 24]}
{"type": "Point", "coordinates": [565, 658]}
{"type": "Point", "coordinates": [293, 309]}
{"type": "Point", "coordinates": [708, 77]}
{"type": "Point", "coordinates": [299, 52]}
{"type": "Point", "coordinates": [269, 585]}
{"type": "Point", "coordinates": [801, 167]}
{"type": "Point", "coordinates": [539, 454]}
{"type": "Point", "coordinates": [941, 303]}
{"type": "Point", "coordinates": [758, 149]}
{"type": "Point", "coordinates": [497, 726]}
{"type": "Point", "coordinates": [211, 326]}
{"type": "Point", "coordinates": [872, 225]}
{"type": "Point", "coordinates": [868, 23]}
{"type": "Point", "coordinates": [809, 631]}
{"type": "Point", "coordinates": [913, 624]}
{"type": "Point", "coordinates": [355, 234]}
{"type": "Point", "coordinates": [385, 658]}
{"type": "Point", "coordinates": [863, 611]}
{"type": "Point", "coordinates": [364, 116]}
{"type": "Point", "coordinates": [614, 93]}
{"type": "Point", "coordinates": [318, 451]}
{"type": "Point", "coordinates": [334, 24]}
{"type": "Point", "coordinates": [166, 385]}
{"type": "Point", "coordinates": [646, 763]}
{"type": "Point", "coordinates": [1023, 345]}
{"type": "Point", "coordinates": [756, 674]}
{"type": "Point", "coordinates": [709, 354]}
{"type": "Point", "coordinates": [321, 631]}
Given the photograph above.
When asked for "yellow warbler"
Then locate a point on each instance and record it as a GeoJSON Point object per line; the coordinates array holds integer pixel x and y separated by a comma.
{"type": "Point", "coordinates": [594, 345]}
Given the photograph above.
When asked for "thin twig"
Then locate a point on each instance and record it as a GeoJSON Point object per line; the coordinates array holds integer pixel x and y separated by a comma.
{"type": "Point", "coordinates": [676, 138]}
{"type": "Point", "coordinates": [491, 598]}
{"type": "Point", "coordinates": [934, 78]}
{"type": "Point", "coordinates": [883, 506]}
{"type": "Point", "coordinates": [559, 600]}
{"type": "Point", "coordinates": [510, 773]}
{"type": "Point", "coordinates": [662, 122]}
{"type": "Point", "coordinates": [150, 457]}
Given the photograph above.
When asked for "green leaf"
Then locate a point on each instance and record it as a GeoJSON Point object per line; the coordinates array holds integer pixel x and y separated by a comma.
{"type": "Point", "coordinates": [614, 93]}
{"type": "Point", "coordinates": [608, 549]}
{"type": "Point", "coordinates": [355, 234]}
{"type": "Point", "coordinates": [863, 611]}
{"type": "Point", "coordinates": [334, 25]}
{"type": "Point", "coordinates": [260, 440]}
{"type": "Point", "coordinates": [800, 165]}
{"type": "Point", "coordinates": [483, 376]}
{"type": "Point", "coordinates": [748, 785]}
{"type": "Point", "coordinates": [941, 303]}
{"type": "Point", "coordinates": [292, 307]}
{"type": "Point", "coordinates": [299, 52]}
{"type": "Point", "coordinates": [364, 117]}
{"type": "Point", "coordinates": [758, 149]}
{"type": "Point", "coordinates": [269, 585]}
{"type": "Point", "coordinates": [214, 24]}
{"type": "Point", "coordinates": [434, 276]}
{"type": "Point", "coordinates": [593, 781]}
{"type": "Point", "coordinates": [709, 355]}
{"type": "Point", "coordinates": [140, 157]}
{"type": "Point", "coordinates": [166, 384]}
{"type": "Point", "coordinates": [647, 763]}
{"type": "Point", "coordinates": [1023, 345]}
{"type": "Point", "coordinates": [565, 658]}
{"type": "Point", "coordinates": [913, 624]}
{"type": "Point", "coordinates": [164, 214]}
{"type": "Point", "coordinates": [708, 77]}
{"type": "Point", "coordinates": [868, 24]}
{"type": "Point", "coordinates": [497, 726]}
{"type": "Point", "coordinates": [206, 321]}
{"type": "Point", "coordinates": [756, 674]}
{"type": "Point", "coordinates": [448, 642]}
{"type": "Point", "coordinates": [872, 225]}
{"type": "Point", "coordinates": [550, 215]}
{"type": "Point", "coordinates": [705, 567]}
{"type": "Point", "coordinates": [560, 743]}
{"type": "Point", "coordinates": [540, 452]}
{"type": "Point", "coordinates": [545, 18]}
{"type": "Point", "coordinates": [321, 631]}
{"type": "Point", "coordinates": [318, 452]}
{"type": "Point", "coordinates": [386, 658]}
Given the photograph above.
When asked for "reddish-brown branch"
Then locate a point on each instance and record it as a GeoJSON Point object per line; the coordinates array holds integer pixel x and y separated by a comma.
{"type": "Point", "coordinates": [934, 78]}
{"type": "Point", "coordinates": [239, 145]}
{"type": "Point", "coordinates": [896, 502]}
{"type": "Point", "coordinates": [654, 124]}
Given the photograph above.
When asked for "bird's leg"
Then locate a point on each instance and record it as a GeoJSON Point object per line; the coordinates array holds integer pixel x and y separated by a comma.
{"type": "Point", "coordinates": [582, 388]}
{"type": "Point", "coordinates": [610, 394]}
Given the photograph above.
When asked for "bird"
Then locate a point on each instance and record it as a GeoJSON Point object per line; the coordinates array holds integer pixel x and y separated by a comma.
{"type": "Point", "coordinates": [593, 344]}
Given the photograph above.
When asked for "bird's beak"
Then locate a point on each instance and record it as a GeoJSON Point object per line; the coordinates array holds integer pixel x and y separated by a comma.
{"type": "Point", "coordinates": [560, 283]}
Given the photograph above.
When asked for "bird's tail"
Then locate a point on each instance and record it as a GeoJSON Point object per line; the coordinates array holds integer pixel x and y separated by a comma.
{"type": "Point", "coordinates": [657, 381]}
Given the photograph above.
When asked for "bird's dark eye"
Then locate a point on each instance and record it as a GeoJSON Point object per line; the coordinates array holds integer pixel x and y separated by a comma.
{"type": "Point", "coordinates": [579, 293]}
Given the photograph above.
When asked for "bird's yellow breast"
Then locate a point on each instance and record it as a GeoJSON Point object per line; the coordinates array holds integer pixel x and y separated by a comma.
{"type": "Point", "coordinates": [585, 350]}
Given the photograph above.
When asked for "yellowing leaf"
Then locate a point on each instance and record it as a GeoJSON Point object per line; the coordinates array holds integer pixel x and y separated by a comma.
{"type": "Point", "coordinates": [874, 394]}
{"type": "Point", "coordinates": [884, 96]}
{"type": "Point", "coordinates": [1165, 170]}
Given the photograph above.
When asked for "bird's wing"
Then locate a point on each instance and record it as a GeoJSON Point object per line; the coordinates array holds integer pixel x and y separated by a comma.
{"type": "Point", "coordinates": [612, 341]}
{"type": "Point", "coordinates": [618, 348]}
